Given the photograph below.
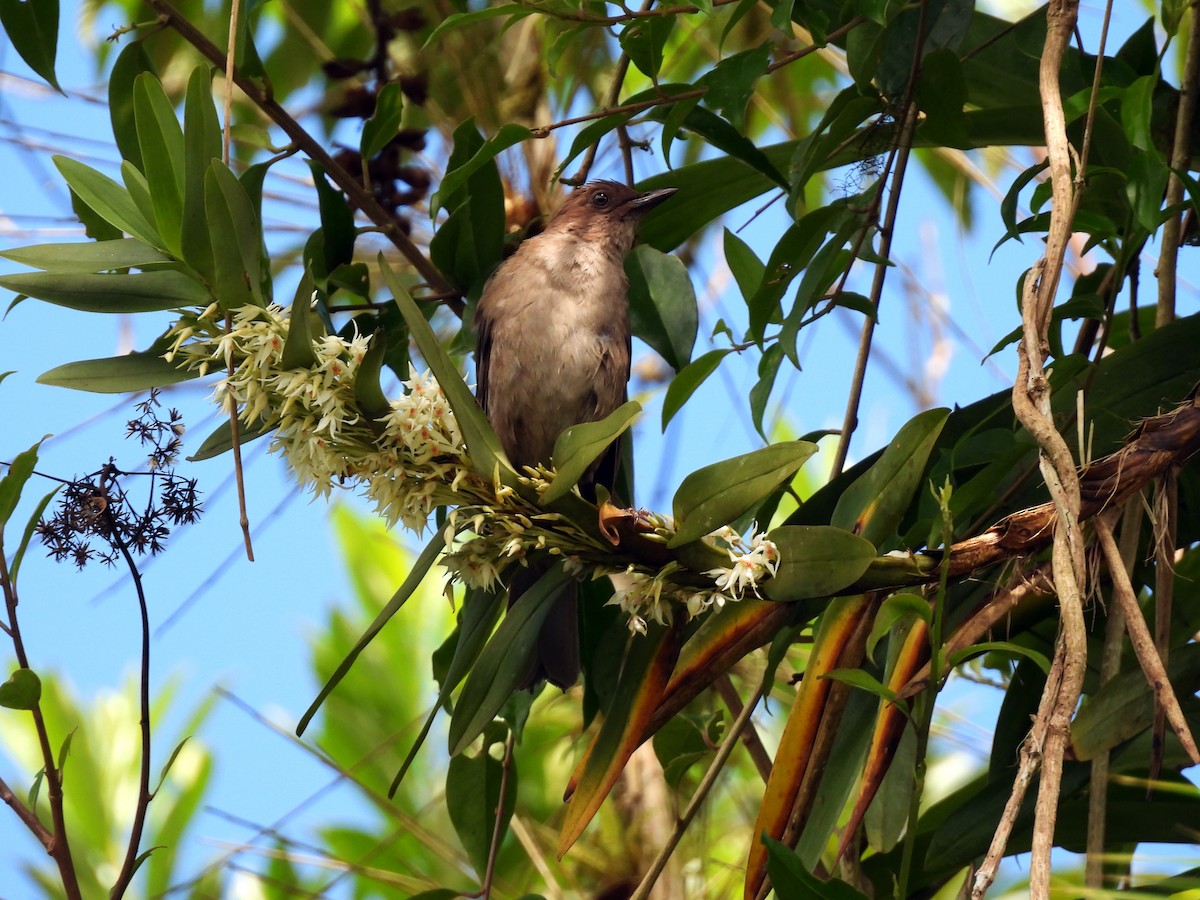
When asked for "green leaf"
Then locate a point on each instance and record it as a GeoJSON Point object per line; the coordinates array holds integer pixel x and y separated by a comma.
{"type": "Point", "coordinates": [130, 63]}
{"type": "Point", "coordinates": [506, 137]}
{"type": "Point", "coordinates": [896, 610]}
{"type": "Point", "coordinates": [221, 439]}
{"type": "Point", "coordinates": [202, 145]}
{"type": "Point", "coordinates": [236, 238]}
{"type": "Point", "coordinates": [684, 384]}
{"type": "Point", "coordinates": [482, 444]}
{"type": "Point", "coordinates": [863, 681]}
{"type": "Point", "coordinates": [337, 233]}
{"type": "Point", "coordinates": [166, 769]}
{"type": "Point", "coordinates": [107, 199]}
{"type": "Point", "coordinates": [731, 83]}
{"type": "Point", "coordinates": [368, 394]}
{"type": "Point", "coordinates": [643, 41]}
{"type": "Point", "coordinates": [415, 576]}
{"type": "Point", "coordinates": [13, 483]}
{"type": "Point", "coordinates": [461, 19]}
{"type": "Point", "coordinates": [88, 258]}
{"type": "Point", "coordinates": [30, 528]}
{"type": "Point", "coordinates": [467, 246]}
{"type": "Point", "coordinates": [662, 304]}
{"type": "Point", "coordinates": [160, 139]}
{"type": "Point", "coordinates": [744, 263]}
{"type": "Point", "coordinates": [133, 293]}
{"type": "Point", "coordinates": [32, 26]}
{"type": "Point", "coordinates": [792, 881]}
{"type": "Point", "coordinates": [580, 445]}
{"type": "Point", "coordinates": [298, 350]}
{"type": "Point", "coordinates": [136, 371]}
{"type": "Point", "coordinates": [473, 797]}
{"type": "Point", "coordinates": [768, 370]}
{"type": "Point", "coordinates": [22, 691]}
{"type": "Point", "coordinates": [35, 788]}
{"type": "Point", "coordinates": [505, 660]}
{"type": "Point", "coordinates": [384, 122]}
{"type": "Point", "coordinates": [718, 494]}
{"type": "Point", "coordinates": [589, 135]}
{"type": "Point", "coordinates": [1137, 113]}
{"type": "Point", "coordinates": [816, 561]}
{"type": "Point", "coordinates": [875, 503]}
{"type": "Point", "coordinates": [1039, 659]}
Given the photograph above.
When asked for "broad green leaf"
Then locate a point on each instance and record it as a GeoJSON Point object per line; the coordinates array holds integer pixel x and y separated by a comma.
{"type": "Point", "coordinates": [896, 610]}
{"type": "Point", "coordinates": [731, 83]}
{"type": "Point", "coordinates": [107, 199]}
{"type": "Point", "coordinates": [88, 258]}
{"type": "Point", "coordinates": [132, 293]}
{"type": "Point", "coordinates": [506, 137]}
{"type": "Point", "coordinates": [643, 41]}
{"type": "Point", "coordinates": [662, 304]}
{"type": "Point", "coordinates": [467, 246]}
{"type": "Point", "coordinates": [718, 494]}
{"type": "Point", "coordinates": [505, 660]}
{"type": "Point", "coordinates": [744, 263]}
{"type": "Point", "coordinates": [23, 690]}
{"type": "Point", "coordinates": [13, 482]}
{"type": "Point", "coordinates": [874, 504]}
{"type": "Point", "coordinates": [580, 445]}
{"type": "Point", "coordinates": [136, 371]}
{"type": "Point", "coordinates": [30, 528]}
{"type": "Point", "coordinates": [684, 384]}
{"type": "Point", "coordinates": [473, 798]}
{"type": "Point", "coordinates": [130, 63]}
{"type": "Point", "coordinates": [368, 393]}
{"type": "Point", "coordinates": [415, 576]}
{"type": "Point", "coordinates": [1137, 111]}
{"type": "Point", "coordinates": [482, 443]}
{"type": "Point", "coordinates": [792, 881]}
{"type": "Point", "coordinates": [298, 350]}
{"type": "Point", "coordinates": [384, 122]}
{"type": "Point", "coordinates": [335, 241]}
{"type": "Point", "coordinates": [202, 131]}
{"type": "Point", "coordinates": [816, 561]}
{"type": "Point", "coordinates": [160, 138]}
{"type": "Point", "coordinates": [32, 26]}
{"type": "Point", "coordinates": [236, 239]}
{"type": "Point", "coordinates": [221, 439]}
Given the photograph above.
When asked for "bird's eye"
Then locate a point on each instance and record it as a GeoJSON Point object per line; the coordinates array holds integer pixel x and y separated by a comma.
{"type": "Point", "coordinates": [600, 200]}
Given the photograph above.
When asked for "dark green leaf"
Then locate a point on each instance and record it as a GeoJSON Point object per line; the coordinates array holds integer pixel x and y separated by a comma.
{"type": "Point", "coordinates": [715, 130]}
{"type": "Point", "coordinates": [718, 494]}
{"type": "Point", "coordinates": [864, 681]}
{"type": "Point", "coordinates": [731, 83]}
{"type": "Point", "coordinates": [221, 439]}
{"type": "Point", "coordinates": [298, 350]}
{"type": "Point", "coordinates": [32, 26]}
{"type": "Point", "coordinates": [580, 445]}
{"type": "Point", "coordinates": [130, 63]}
{"type": "Point", "coordinates": [368, 393]}
{"type": "Point", "coordinates": [745, 265]}
{"type": "Point", "coordinates": [460, 19]}
{"type": "Point", "coordinates": [473, 797]}
{"type": "Point", "coordinates": [384, 122]}
{"type": "Point", "coordinates": [337, 227]}
{"type": "Point", "coordinates": [1137, 111]}
{"type": "Point", "coordinates": [30, 528]}
{"type": "Point", "coordinates": [23, 690]}
{"type": "Point", "coordinates": [506, 137]}
{"type": "Point", "coordinates": [415, 576]}
{"type": "Point", "coordinates": [768, 370]}
{"type": "Point", "coordinates": [643, 41]}
{"type": "Point", "coordinates": [505, 660]}
{"type": "Point", "coordinates": [107, 199]}
{"type": "Point", "coordinates": [88, 258]}
{"type": "Point", "coordinates": [662, 304]}
{"type": "Point", "coordinates": [133, 293]}
{"type": "Point", "coordinates": [13, 483]}
{"type": "Point", "coordinates": [588, 136]}
{"type": "Point", "coordinates": [898, 609]}
{"type": "Point", "coordinates": [236, 239]}
{"type": "Point", "coordinates": [826, 265]}
{"type": "Point", "coordinates": [471, 241]}
{"type": "Point", "coordinates": [874, 504]}
{"type": "Point", "coordinates": [792, 881]}
{"type": "Point", "coordinates": [684, 384]}
{"type": "Point", "coordinates": [816, 561]}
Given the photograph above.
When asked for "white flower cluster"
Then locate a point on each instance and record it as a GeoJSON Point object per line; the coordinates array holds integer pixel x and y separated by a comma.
{"type": "Point", "coordinates": [412, 461]}
{"type": "Point", "coordinates": [645, 596]}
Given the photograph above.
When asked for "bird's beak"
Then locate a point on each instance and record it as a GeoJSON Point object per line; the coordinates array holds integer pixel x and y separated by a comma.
{"type": "Point", "coordinates": [643, 203]}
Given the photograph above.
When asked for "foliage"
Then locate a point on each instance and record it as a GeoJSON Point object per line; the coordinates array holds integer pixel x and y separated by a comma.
{"type": "Point", "coordinates": [743, 100]}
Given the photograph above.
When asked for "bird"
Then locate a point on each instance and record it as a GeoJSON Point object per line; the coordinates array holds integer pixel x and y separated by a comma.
{"type": "Point", "coordinates": [553, 350]}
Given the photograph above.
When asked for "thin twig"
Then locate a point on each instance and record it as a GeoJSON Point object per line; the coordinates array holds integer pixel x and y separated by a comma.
{"type": "Point", "coordinates": [1166, 526]}
{"type": "Point", "coordinates": [26, 815]}
{"type": "Point", "coordinates": [702, 791]}
{"type": "Point", "coordinates": [1181, 150]}
{"type": "Point", "coordinates": [754, 745]}
{"type": "Point", "coordinates": [498, 826]}
{"type": "Point", "coordinates": [235, 434]}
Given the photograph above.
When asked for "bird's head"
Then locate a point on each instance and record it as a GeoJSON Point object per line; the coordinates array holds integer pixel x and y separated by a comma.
{"type": "Point", "coordinates": [606, 212]}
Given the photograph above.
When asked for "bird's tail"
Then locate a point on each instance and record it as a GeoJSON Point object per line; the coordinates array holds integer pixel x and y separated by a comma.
{"type": "Point", "coordinates": [556, 658]}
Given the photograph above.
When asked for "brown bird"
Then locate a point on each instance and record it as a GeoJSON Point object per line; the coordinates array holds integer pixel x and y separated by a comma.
{"type": "Point", "coordinates": [553, 351]}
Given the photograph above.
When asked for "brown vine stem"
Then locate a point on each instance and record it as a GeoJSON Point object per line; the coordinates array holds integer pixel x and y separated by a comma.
{"type": "Point", "coordinates": [358, 195]}
{"type": "Point", "coordinates": [702, 791]}
{"type": "Point", "coordinates": [754, 745]}
{"type": "Point", "coordinates": [498, 827]}
{"type": "Point", "coordinates": [56, 842]}
{"type": "Point", "coordinates": [26, 815]}
{"type": "Point", "coordinates": [1181, 149]}
{"type": "Point", "coordinates": [1166, 526]}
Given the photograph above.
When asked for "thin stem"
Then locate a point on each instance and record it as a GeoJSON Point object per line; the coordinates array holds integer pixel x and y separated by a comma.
{"type": "Point", "coordinates": [26, 815]}
{"type": "Point", "coordinates": [702, 791]}
{"type": "Point", "coordinates": [498, 827]}
{"type": "Point", "coordinates": [754, 745]}
{"type": "Point", "coordinates": [235, 434]}
{"type": "Point", "coordinates": [1165, 541]}
{"type": "Point", "coordinates": [230, 54]}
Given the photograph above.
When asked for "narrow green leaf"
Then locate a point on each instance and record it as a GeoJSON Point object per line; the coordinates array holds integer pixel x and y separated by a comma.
{"type": "Point", "coordinates": [415, 576]}
{"type": "Point", "coordinates": [166, 769]}
{"type": "Point", "coordinates": [384, 122]}
{"type": "Point", "coordinates": [160, 139]}
{"type": "Point", "coordinates": [136, 371]}
{"type": "Point", "coordinates": [298, 350]}
{"type": "Point", "coordinates": [107, 199]}
{"type": "Point", "coordinates": [768, 371]}
{"type": "Point", "coordinates": [744, 263]}
{"type": "Point", "coordinates": [35, 788]}
{"type": "Point", "coordinates": [461, 19]}
{"type": "Point", "coordinates": [13, 483]}
{"type": "Point", "coordinates": [1039, 659]}
{"type": "Point", "coordinates": [133, 293]}
{"type": "Point", "coordinates": [506, 137]}
{"type": "Point", "coordinates": [816, 561]}
{"type": "Point", "coordinates": [896, 609]}
{"type": "Point", "coordinates": [139, 193]}
{"type": "Point", "coordinates": [581, 445]}
{"type": "Point", "coordinates": [202, 131]}
{"type": "Point", "coordinates": [863, 681]}
{"type": "Point", "coordinates": [690, 378]}
{"type": "Point", "coordinates": [130, 63]}
{"type": "Point", "coordinates": [368, 393]}
{"type": "Point", "coordinates": [88, 258]}
{"type": "Point", "coordinates": [589, 135]}
{"type": "Point", "coordinates": [662, 304]}
{"type": "Point", "coordinates": [337, 233]}
{"type": "Point", "coordinates": [236, 238]}
{"type": "Point", "coordinates": [221, 439]}
{"type": "Point", "coordinates": [875, 503]}
{"type": "Point", "coordinates": [32, 26]}
{"type": "Point", "coordinates": [23, 690]}
{"type": "Point", "coordinates": [30, 527]}
{"type": "Point", "coordinates": [482, 444]}
{"type": "Point", "coordinates": [504, 661]}
{"type": "Point", "coordinates": [473, 798]}
{"type": "Point", "coordinates": [716, 495]}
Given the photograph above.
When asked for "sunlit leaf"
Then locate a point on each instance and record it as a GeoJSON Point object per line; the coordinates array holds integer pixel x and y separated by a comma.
{"type": "Point", "coordinates": [581, 445]}
{"type": "Point", "coordinates": [662, 304]}
{"type": "Point", "coordinates": [384, 122]}
{"type": "Point", "coordinates": [107, 199]}
{"type": "Point", "coordinates": [88, 258]}
{"type": "Point", "coordinates": [23, 690]}
{"type": "Point", "coordinates": [816, 561]}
